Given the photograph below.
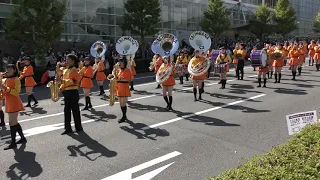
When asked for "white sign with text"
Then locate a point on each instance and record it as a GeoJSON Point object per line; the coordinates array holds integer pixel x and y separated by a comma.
{"type": "Point", "coordinates": [298, 121]}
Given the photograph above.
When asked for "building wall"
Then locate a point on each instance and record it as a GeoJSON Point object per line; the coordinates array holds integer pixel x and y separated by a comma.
{"type": "Point", "coordinates": [306, 11]}
{"type": "Point", "coordinates": [91, 20]}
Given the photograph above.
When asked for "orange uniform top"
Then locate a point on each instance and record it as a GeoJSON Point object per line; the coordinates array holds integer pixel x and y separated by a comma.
{"type": "Point", "coordinates": [159, 62]}
{"type": "Point", "coordinates": [70, 79]}
{"type": "Point", "coordinates": [27, 73]}
{"type": "Point", "coordinates": [311, 49]}
{"type": "Point", "coordinates": [235, 60]}
{"type": "Point", "coordinates": [302, 56]}
{"type": "Point", "coordinates": [11, 95]}
{"type": "Point", "coordinates": [195, 62]}
{"type": "Point", "coordinates": [86, 74]}
{"type": "Point", "coordinates": [317, 52]}
{"type": "Point", "coordinates": [294, 55]}
{"type": "Point", "coordinates": [100, 76]}
{"type": "Point", "coordinates": [287, 49]}
{"type": "Point", "coordinates": [124, 77]}
{"type": "Point", "coordinates": [184, 61]}
{"type": "Point", "coordinates": [170, 81]}
{"type": "Point", "coordinates": [133, 65]}
{"type": "Point", "coordinates": [279, 62]}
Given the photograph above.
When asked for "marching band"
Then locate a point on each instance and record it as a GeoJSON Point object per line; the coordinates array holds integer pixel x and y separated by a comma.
{"type": "Point", "coordinates": [72, 74]}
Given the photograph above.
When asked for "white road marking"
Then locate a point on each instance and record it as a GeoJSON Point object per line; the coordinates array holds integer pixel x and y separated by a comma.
{"type": "Point", "coordinates": [131, 100]}
{"type": "Point", "coordinates": [127, 174]}
{"type": "Point", "coordinates": [52, 127]}
{"type": "Point", "coordinates": [201, 112]}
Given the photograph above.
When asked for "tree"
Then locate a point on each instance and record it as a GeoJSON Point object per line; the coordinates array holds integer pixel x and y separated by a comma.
{"type": "Point", "coordinates": [36, 23]}
{"type": "Point", "coordinates": [284, 18]}
{"type": "Point", "coordinates": [316, 24]}
{"type": "Point", "coordinates": [259, 24]}
{"type": "Point", "coordinates": [216, 18]}
{"type": "Point", "coordinates": [142, 17]}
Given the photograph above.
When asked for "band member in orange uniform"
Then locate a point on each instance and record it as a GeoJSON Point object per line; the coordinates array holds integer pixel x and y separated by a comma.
{"type": "Point", "coordinates": [294, 55]}
{"type": "Point", "coordinates": [269, 52]}
{"type": "Point", "coordinates": [29, 81]}
{"type": "Point", "coordinates": [302, 58]}
{"type": "Point", "coordinates": [158, 62]}
{"type": "Point", "coordinates": [287, 50]}
{"type": "Point", "coordinates": [100, 75]}
{"type": "Point", "coordinates": [311, 52]}
{"type": "Point", "coordinates": [11, 87]}
{"type": "Point", "coordinates": [240, 65]}
{"type": "Point", "coordinates": [235, 60]}
{"type": "Point", "coordinates": [278, 63]}
{"type": "Point", "coordinates": [262, 71]}
{"type": "Point", "coordinates": [69, 88]}
{"type": "Point", "coordinates": [132, 65]}
{"type": "Point", "coordinates": [224, 58]}
{"type": "Point", "coordinates": [317, 55]}
{"type": "Point", "coordinates": [198, 80]}
{"type": "Point", "coordinates": [86, 75]}
{"type": "Point", "coordinates": [183, 61]}
{"type": "Point", "coordinates": [123, 92]}
{"type": "Point", "coordinates": [167, 86]}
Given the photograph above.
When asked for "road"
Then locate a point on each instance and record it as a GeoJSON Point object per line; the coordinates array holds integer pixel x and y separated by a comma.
{"type": "Point", "coordinates": [195, 141]}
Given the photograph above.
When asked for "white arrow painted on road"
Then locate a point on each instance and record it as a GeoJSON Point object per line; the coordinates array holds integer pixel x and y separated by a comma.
{"type": "Point", "coordinates": [127, 174]}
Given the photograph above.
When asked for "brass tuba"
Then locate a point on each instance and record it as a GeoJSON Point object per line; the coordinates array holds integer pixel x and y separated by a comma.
{"type": "Point", "coordinates": [54, 86]}
{"type": "Point", "coordinates": [98, 49]}
{"type": "Point", "coordinates": [200, 41]}
{"type": "Point", "coordinates": [165, 45]}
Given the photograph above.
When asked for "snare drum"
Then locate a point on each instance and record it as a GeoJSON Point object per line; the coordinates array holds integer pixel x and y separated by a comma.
{"type": "Point", "coordinates": [259, 58]}
{"type": "Point", "coordinates": [220, 68]}
{"type": "Point", "coordinates": [180, 68]}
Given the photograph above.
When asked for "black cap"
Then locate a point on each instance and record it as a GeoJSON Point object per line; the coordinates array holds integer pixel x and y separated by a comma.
{"type": "Point", "coordinates": [26, 58]}
{"type": "Point", "coordinates": [222, 48]}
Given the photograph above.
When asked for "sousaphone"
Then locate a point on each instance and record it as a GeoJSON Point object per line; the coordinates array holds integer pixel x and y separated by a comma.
{"type": "Point", "coordinates": [166, 45]}
{"type": "Point", "coordinates": [98, 49]}
{"type": "Point", "coordinates": [200, 41]}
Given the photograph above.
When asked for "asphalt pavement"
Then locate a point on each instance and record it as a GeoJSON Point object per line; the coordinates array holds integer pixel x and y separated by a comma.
{"type": "Point", "coordinates": [193, 142]}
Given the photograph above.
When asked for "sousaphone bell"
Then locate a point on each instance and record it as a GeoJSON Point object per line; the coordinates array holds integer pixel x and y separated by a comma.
{"type": "Point", "coordinates": [98, 49]}
{"type": "Point", "coordinates": [200, 41]}
{"type": "Point", "coordinates": [166, 45]}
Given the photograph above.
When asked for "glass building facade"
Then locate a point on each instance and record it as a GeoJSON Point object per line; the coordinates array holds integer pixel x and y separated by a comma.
{"type": "Point", "coordinates": [91, 20]}
{"type": "Point", "coordinates": [306, 11]}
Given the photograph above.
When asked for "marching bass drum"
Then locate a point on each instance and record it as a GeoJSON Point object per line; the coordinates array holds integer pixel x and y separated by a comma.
{"type": "Point", "coordinates": [259, 58]}
{"type": "Point", "coordinates": [164, 73]}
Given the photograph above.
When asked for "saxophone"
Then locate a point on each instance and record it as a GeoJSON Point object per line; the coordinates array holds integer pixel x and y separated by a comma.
{"type": "Point", "coordinates": [112, 86]}
{"type": "Point", "coordinates": [54, 86]}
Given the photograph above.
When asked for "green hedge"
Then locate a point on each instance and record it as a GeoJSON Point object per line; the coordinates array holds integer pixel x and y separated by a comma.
{"type": "Point", "coordinates": [299, 158]}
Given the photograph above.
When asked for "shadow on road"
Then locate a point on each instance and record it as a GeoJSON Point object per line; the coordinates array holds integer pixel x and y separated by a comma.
{"type": "Point", "coordinates": [151, 133]}
{"type": "Point", "coordinates": [99, 115]}
{"type": "Point", "coordinates": [88, 143]}
{"type": "Point", "coordinates": [151, 108]}
{"type": "Point", "coordinates": [26, 165]}
{"type": "Point", "coordinates": [33, 111]}
{"type": "Point", "coordinates": [290, 91]}
{"type": "Point", "coordinates": [204, 119]}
